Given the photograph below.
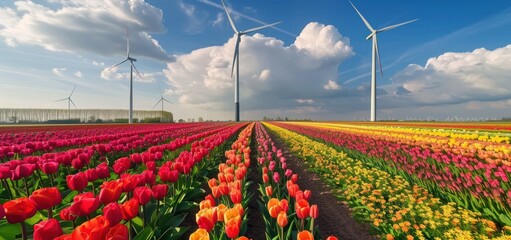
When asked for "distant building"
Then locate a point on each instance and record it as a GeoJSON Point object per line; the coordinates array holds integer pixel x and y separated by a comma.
{"type": "Point", "coordinates": [31, 115]}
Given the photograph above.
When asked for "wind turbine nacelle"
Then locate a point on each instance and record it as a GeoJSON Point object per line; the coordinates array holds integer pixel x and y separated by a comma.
{"type": "Point", "coordinates": [132, 59]}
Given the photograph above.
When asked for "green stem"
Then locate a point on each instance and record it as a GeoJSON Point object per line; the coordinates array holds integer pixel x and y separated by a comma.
{"type": "Point", "coordinates": [143, 215]}
{"type": "Point", "coordinates": [129, 230]}
{"type": "Point", "coordinates": [8, 189]}
{"type": "Point", "coordinates": [26, 186]}
{"type": "Point", "coordinates": [51, 179]}
{"type": "Point", "coordinates": [39, 175]}
{"type": "Point", "coordinates": [23, 230]}
{"type": "Point", "coordinates": [50, 213]}
{"type": "Point", "coordinates": [312, 225]}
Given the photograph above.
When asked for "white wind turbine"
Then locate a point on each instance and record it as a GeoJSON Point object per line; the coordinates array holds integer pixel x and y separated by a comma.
{"type": "Point", "coordinates": [128, 58]}
{"type": "Point", "coordinates": [236, 59]}
{"type": "Point", "coordinates": [374, 55]}
{"type": "Point", "coordinates": [162, 99]}
{"type": "Point", "coordinates": [69, 101]}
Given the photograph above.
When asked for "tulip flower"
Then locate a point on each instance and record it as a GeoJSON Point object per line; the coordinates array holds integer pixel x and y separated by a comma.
{"type": "Point", "coordinates": [274, 207]}
{"type": "Point", "coordinates": [199, 234]}
{"type": "Point", "coordinates": [64, 237]}
{"type": "Point", "coordinates": [49, 167]}
{"type": "Point", "coordinates": [113, 213]}
{"type": "Point", "coordinates": [46, 198]}
{"type": "Point", "coordinates": [19, 210]}
{"type": "Point", "coordinates": [84, 204]}
{"type": "Point", "coordinates": [121, 165]}
{"type": "Point", "coordinates": [143, 195]}
{"type": "Point", "coordinates": [110, 191]}
{"type": "Point", "coordinates": [103, 170]}
{"type": "Point", "coordinates": [130, 209]}
{"type": "Point", "coordinates": [77, 182]}
{"type": "Point", "coordinates": [96, 228]}
{"type": "Point", "coordinates": [160, 191]}
{"type": "Point", "coordinates": [67, 214]}
{"type": "Point", "coordinates": [314, 213]}
{"type": "Point", "coordinates": [302, 209]}
{"type": "Point", "coordinates": [305, 235]}
{"type": "Point", "coordinates": [118, 232]}
{"type": "Point", "coordinates": [47, 230]}
{"type": "Point", "coordinates": [331, 238]}
{"type": "Point", "coordinates": [232, 220]}
{"type": "Point", "coordinates": [236, 196]}
{"type": "Point", "coordinates": [206, 218]}
{"type": "Point", "coordinates": [269, 191]}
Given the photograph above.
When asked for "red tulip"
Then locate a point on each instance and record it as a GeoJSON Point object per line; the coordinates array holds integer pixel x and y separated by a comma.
{"type": "Point", "coordinates": [19, 210]}
{"type": "Point", "coordinates": [314, 212]}
{"type": "Point", "coordinates": [232, 220]}
{"type": "Point", "coordinates": [64, 237]}
{"type": "Point", "coordinates": [45, 198]}
{"type": "Point", "coordinates": [167, 175]}
{"type": "Point", "coordinates": [110, 191]}
{"type": "Point", "coordinates": [223, 188]}
{"type": "Point", "coordinates": [302, 209]}
{"type": "Point", "coordinates": [122, 165]}
{"type": "Point", "coordinates": [269, 191]}
{"type": "Point", "coordinates": [305, 235]}
{"type": "Point", "coordinates": [23, 170]}
{"type": "Point", "coordinates": [50, 167]}
{"type": "Point", "coordinates": [282, 219]}
{"type": "Point", "coordinates": [151, 166]}
{"type": "Point", "coordinates": [91, 174]}
{"type": "Point", "coordinates": [118, 232]}
{"type": "Point", "coordinates": [331, 238]}
{"type": "Point", "coordinates": [235, 195]}
{"type": "Point", "coordinates": [67, 214]}
{"type": "Point", "coordinates": [103, 170]}
{"type": "Point", "coordinates": [96, 228]}
{"type": "Point", "coordinates": [129, 182]}
{"type": "Point", "coordinates": [5, 172]}
{"type": "Point", "coordinates": [130, 209]}
{"type": "Point", "coordinates": [78, 164]}
{"type": "Point", "coordinates": [160, 191]}
{"type": "Point", "coordinates": [77, 182]}
{"type": "Point", "coordinates": [206, 218]}
{"type": "Point", "coordinates": [113, 213]}
{"type": "Point", "coordinates": [84, 204]}
{"type": "Point", "coordinates": [307, 194]}
{"type": "Point", "coordinates": [47, 230]}
{"type": "Point", "coordinates": [143, 194]}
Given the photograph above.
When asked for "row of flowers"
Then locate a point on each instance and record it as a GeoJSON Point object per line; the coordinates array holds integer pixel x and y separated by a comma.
{"type": "Point", "coordinates": [394, 207]}
{"type": "Point", "coordinates": [129, 203]}
{"type": "Point", "coordinates": [279, 190]}
{"type": "Point", "coordinates": [222, 213]}
{"type": "Point", "coordinates": [470, 182]}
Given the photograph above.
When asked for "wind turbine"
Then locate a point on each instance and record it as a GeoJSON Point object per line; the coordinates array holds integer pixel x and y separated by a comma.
{"type": "Point", "coordinates": [162, 99]}
{"type": "Point", "coordinates": [69, 101]}
{"type": "Point", "coordinates": [236, 58]}
{"type": "Point", "coordinates": [375, 54]}
{"type": "Point", "coordinates": [132, 66]}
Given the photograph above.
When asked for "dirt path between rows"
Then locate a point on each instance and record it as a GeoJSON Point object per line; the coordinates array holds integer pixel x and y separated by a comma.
{"type": "Point", "coordinates": [334, 217]}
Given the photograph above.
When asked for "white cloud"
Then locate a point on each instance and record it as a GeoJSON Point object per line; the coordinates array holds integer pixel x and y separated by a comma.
{"type": "Point", "coordinates": [453, 77]}
{"type": "Point", "coordinates": [111, 74]}
{"type": "Point", "coordinates": [298, 71]}
{"type": "Point", "coordinates": [331, 85]}
{"type": "Point", "coordinates": [219, 19]}
{"type": "Point", "coordinates": [85, 26]}
{"type": "Point", "coordinates": [78, 74]}
{"type": "Point", "coordinates": [102, 64]}
{"type": "Point", "coordinates": [59, 71]}
{"type": "Point", "coordinates": [308, 101]}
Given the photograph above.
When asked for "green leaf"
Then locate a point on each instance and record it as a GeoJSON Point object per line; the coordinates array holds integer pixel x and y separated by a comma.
{"type": "Point", "coordinates": [174, 221]}
{"type": "Point", "coordinates": [505, 219]}
{"type": "Point", "coordinates": [9, 231]}
{"type": "Point", "coordinates": [185, 206]}
{"type": "Point", "coordinates": [490, 213]}
{"type": "Point", "coordinates": [194, 194]}
{"type": "Point", "coordinates": [145, 234]}
{"type": "Point", "coordinates": [174, 233]}
{"type": "Point", "coordinates": [35, 219]}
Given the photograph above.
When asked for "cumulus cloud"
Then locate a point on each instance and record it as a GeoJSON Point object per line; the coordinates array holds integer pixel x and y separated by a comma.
{"type": "Point", "coordinates": [59, 71]}
{"type": "Point", "coordinates": [85, 26]}
{"type": "Point", "coordinates": [111, 74]}
{"type": "Point", "coordinates": [454, 77]}
{"type": "Point", "coordinates": [78, 74]}
{"type": "Point", "coordinates": [331, 85]}
{"type": "Point", "coordinates": [270, 72]}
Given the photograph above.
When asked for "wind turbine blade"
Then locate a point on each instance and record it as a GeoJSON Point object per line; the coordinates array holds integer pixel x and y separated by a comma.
{"type": "Point", "coordinates": [167, 101]}
{"type": "Point", "coordinates": [157, 103]}
{"type": "Point", "coordinates": [229, 17]}
{"type": "Point", "coordinates": [117, 64]}
{"type": "Point", "coordinates": [236, 54]}
{"type": "Point", "coordinates": [363, 19]}
{"type": "Point", "coordinates": [71, 100]}
{"type": "Point", "coordinates": [72, 91]}
{"type": "Point", "coordinates": [60, 100]}
{"type": "Point", "coordinates": [136, 70]}
{"type": "Point", "coordinates": [259, 28]}
{"type": "Point", "coordinates": [127, 43]}
{"type": "Point", "coordinates": [395, 26]}
{"type": "Point", "coordinates": [378, 53]}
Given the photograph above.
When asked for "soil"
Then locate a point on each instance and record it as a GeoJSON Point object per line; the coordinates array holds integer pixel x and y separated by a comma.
{"type": "Point", "coordinates": [335, 217]}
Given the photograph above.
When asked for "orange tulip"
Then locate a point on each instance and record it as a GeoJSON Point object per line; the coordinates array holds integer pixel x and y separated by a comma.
{"type": "Point", "coordinates": [284, 205]}
{"type": "Point", "coordinates": [206, 204]}
{"type": "Point", "coordinates": [236, 196]}
{"type": "Point", "coordinates": [331, 238]}
{"type": "Point", "coordinates": [302, 209]}
{"type": "Point", "coordinates": [232, 220]}
{"type": "Point", "coordinates": [282, 219]}
{"type": "Point", "coordinates": [242, 238]}
{"type": "Point", "coordinates": [215, 191]}
{"type": "Point", "coordinates": [223, 188]}
{"type": "Point", "coordinates": [96, 228]}
{"type": "Point", "coordinates": [240, 208]}
{"type": "Point", "coordinates": [305, 235]}
{"type": "Point", "coordinates": [220, 211]}
{"type": "Point", "coordinates": [199, 234]}
{"type": "Point", "coordinates": [269, 191]}
{"type": "Point", "coordinates": [212, 182]}
{"type": "Point", "coordinates": [274, 207]}
{"type": "Point", "coordinates": [206, 218]}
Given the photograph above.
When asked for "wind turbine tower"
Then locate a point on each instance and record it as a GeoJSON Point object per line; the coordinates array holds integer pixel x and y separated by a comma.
{"type": "Point", "coordinates": [236, 59]}
{"type": "Point", "coordinates": [132, 66]}
{"type": "Point", "coordinates": [69, 101]}
{"type": "Point", "coordinates": [376, 53]}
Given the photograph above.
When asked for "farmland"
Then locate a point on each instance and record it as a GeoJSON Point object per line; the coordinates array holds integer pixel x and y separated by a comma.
{"type": "Point", "coordinates": [253, 180]}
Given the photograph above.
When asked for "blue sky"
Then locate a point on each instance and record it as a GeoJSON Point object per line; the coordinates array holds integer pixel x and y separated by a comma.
{"type": "Point", "coordinates": [315, 64]}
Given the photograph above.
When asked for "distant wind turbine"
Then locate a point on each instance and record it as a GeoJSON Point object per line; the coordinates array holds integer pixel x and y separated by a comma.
{"type": "Point", "coordinates": [236, 58]}
{"type": "Point", "coordinates": [376, 53]}
{"type": "Point", "coordinates": [162, 99]}
{"type": "Point", "coordinates": [128, 58]}
{"type": "Point", "coordinates": [69, 101]}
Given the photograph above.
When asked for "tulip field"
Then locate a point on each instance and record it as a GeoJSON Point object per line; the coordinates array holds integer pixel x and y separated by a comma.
{"type": "Point", "coordinates": [219, 180]}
